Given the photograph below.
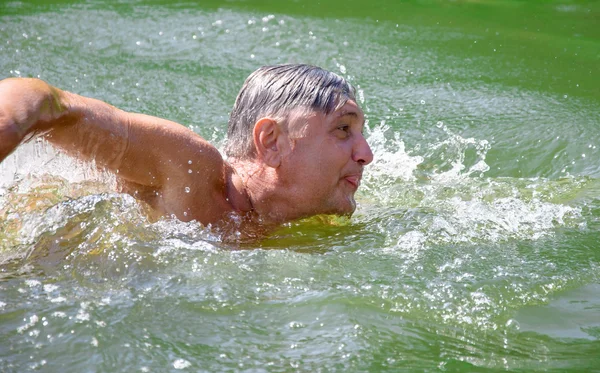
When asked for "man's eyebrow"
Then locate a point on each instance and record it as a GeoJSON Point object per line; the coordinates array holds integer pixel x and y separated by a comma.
{"type": "Point", "coordinates": [352, 113]}
{"type": "Point", "coordinates": [345, 113]}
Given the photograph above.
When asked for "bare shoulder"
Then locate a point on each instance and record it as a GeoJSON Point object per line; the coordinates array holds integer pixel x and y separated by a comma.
{"type": "Point", "coordinates": [184, 174]}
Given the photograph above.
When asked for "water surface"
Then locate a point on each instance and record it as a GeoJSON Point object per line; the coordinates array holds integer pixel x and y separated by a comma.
{"type": "Point", "coordinates": [474, 246]}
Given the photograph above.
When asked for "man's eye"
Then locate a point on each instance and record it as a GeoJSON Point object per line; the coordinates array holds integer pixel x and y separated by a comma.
{"type": "Point", "coordinates": [343, 131]}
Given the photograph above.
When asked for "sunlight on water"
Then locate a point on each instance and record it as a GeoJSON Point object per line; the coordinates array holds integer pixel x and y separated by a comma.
{"type": "Point", "coordinates": [474, 245]}
{"type": "Point", "coordinates": [434, 201]}
{"type": "Point", "coordinates": [447, 189]}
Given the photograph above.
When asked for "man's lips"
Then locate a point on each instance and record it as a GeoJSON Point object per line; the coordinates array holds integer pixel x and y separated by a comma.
{"type": "Point", "coordinates": [353, 180]}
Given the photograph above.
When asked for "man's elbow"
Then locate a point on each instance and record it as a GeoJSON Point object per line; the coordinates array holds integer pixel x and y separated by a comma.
{"type": "Point", "coordinates": [9, 139]}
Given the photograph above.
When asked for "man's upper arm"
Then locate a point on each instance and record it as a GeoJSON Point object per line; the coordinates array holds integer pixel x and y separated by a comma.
{"type": "Point", "coordinates": [155, 154]}
{"type": "Point", "coordinates": [139, 148]}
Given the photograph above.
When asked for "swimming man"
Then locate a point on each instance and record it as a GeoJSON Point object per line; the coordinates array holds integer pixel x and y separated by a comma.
{"type": "Point", "coordinates": [295, 147]}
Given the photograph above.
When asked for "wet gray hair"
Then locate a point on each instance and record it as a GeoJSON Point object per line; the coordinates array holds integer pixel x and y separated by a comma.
{"type": "Point", "coordinates": [275, 91]}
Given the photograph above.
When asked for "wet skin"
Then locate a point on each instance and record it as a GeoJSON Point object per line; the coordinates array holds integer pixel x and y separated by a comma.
{"type": "Point", "coordinates": [310, 165]}
{"type": "Point", "coordinates": [325, 162]}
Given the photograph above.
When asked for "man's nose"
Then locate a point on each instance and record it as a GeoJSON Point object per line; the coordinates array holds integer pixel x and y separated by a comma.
{"type": "Point", "coordinates": [361, 153]}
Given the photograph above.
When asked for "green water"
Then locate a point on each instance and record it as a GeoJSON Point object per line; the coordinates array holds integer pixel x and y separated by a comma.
{"type": "Point", "coordinates": [474, 247]}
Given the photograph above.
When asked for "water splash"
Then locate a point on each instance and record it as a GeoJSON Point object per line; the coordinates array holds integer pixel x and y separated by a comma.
{"type": "Point", "coordinates": [390, 154]}
{"type": "Point", "coordinates": [443, 187]}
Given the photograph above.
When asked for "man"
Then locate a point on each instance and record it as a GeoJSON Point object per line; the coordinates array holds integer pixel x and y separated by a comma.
{"type": "Point", "coordinates": [295, 147]}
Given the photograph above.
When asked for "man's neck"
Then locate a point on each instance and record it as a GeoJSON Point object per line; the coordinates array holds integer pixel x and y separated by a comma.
{"type": "Point", "coordinates": [265, 194]}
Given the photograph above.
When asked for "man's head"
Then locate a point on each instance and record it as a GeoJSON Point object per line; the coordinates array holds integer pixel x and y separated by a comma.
{"type": "Point", "coordinates": [276, 91]}
{"type": "Point", "coordinates": [299, 130]}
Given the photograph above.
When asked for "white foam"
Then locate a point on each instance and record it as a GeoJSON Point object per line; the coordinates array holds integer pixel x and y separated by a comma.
{"type": "Point", "coordinates": [391, 160]}
{"type": "Point", "coordinates": [446, 184]}
{"type": "Point", "coordinates": [181, 364]}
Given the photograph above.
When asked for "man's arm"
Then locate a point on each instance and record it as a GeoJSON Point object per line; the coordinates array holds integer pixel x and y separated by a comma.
{"type": "Point", "coordinates": [161, 158]}
{"type": "Point", "coordinates": [26, 105]}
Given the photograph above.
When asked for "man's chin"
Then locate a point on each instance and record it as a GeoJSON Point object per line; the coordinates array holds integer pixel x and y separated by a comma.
{"type": "Point", "coordinates": [343, 206]}
{"type": "Point", "coordinates": [348, 208]}
{"type": "Point", "coordinates": [352, 202]}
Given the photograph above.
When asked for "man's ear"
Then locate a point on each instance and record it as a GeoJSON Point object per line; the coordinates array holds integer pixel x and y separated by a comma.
{"type": "Point", "coordinates": [268, 141]}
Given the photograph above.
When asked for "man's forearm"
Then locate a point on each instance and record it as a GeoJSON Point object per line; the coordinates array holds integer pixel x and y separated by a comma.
{"type": "Point", "coordinates": [26, 106]}
{"type": "Point", "coordinates": [86, 128]}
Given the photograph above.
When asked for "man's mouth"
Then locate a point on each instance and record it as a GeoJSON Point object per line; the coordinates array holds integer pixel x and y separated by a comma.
{"type": "Point", "coordinates": [353, 180]}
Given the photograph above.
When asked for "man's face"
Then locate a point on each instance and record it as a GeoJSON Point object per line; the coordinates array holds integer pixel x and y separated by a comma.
{"type": "Point", "coordinates": [327, 154]}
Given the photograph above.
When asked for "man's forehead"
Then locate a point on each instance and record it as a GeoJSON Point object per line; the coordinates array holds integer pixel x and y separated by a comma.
{"type": "Point", "coordinates": [299, 119]}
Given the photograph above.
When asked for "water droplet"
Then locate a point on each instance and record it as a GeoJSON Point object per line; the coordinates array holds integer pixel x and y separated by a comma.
{"type": "Point", "coordinates": [187, 189]}
{"type": "Point", "coordinates": [440, 124]}
{"type": "Point", "coordinates": [342, 69]}
{"type": "Point", "coordinates": [422, 102]}
{"type": "Point", "coordinates": [181, 364]}
{"type": "Point", "coordinates": [513, 324]}
{"type": "Point", "coordinates": [190, 171]}
{"type": "Point", "coordinates": [296, 325]}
